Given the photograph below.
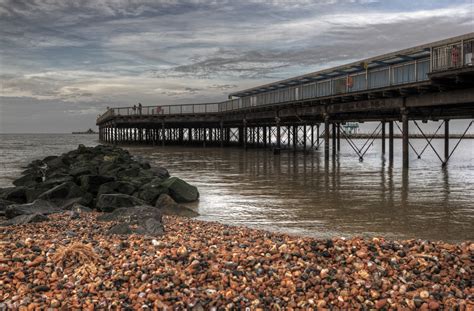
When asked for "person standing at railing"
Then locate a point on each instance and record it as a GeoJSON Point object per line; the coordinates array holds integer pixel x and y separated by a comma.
{"type": "Point", "coordinates": [134, 109]}
{"type": "Point", "coordinates": [140, 109]}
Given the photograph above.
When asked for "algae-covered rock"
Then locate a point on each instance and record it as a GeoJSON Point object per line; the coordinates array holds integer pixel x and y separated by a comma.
{"type": "Point", "coordinates": [181, 191]}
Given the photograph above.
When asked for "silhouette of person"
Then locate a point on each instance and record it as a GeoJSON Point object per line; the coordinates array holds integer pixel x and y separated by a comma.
{"type": "Point", "coordinates": [139, 108]}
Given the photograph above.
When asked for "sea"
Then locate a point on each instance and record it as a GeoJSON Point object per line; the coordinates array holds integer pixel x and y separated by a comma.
{"type": "Point", "coordinates": [301, 193]}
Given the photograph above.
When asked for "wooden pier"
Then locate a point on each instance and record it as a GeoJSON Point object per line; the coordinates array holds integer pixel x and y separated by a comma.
{"type": "Point", "coordinates": [429, 82]}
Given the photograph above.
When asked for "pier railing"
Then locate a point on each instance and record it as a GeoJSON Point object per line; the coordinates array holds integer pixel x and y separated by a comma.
{"type": "Point", "coordinates": [446, 57]}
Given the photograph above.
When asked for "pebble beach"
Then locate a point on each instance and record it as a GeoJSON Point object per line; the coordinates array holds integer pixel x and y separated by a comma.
{"type": "Point", "coordinates": [70, 262]}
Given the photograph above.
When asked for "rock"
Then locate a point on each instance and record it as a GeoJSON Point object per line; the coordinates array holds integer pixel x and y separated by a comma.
{"type": "Point", "coordinates": [65, 190]}
{"type": "Point", "coordinates": [110, 202]}
{"type": "Point", "coordinates": [160, 172]}
{"type": "Point", "coordinates": [25, 219]}
{"type": "Point", "coordinates": [181, 191]}
{"type": "Point", "coordinates": [29, 179]}
{"type": "Point", "coordinates": [424, 294]}
{"type": "Point", "coordinates": [3, 206]}
{"type": "Point", "coordinates": [68, 204]}
{"type": "Point", "coordinates": [78, 208]}
{"type": "Point", "coordinates": [122, 187]}
{"type": "Point", "coordinates": [145, 220]}
{"type": "Point", "coordinates": [83, 170]}
{"type": "Point", "coordinates": [91, 183]}
{"type": "Point", "coordinates": [151, 191]}
{"type": "Point", "coordinates": [168, 206]}
{"type": "Point", "coordinates": [37, 207]}
{"type": "Point", "coordinates": [15, 194]}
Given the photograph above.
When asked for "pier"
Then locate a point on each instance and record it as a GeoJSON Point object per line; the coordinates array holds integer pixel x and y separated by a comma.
{"type": "Point", "coordinates": [430, 82]}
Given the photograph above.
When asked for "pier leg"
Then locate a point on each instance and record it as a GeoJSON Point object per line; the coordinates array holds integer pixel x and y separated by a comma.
{"type": "Point", "coordinates": [295, 137]}
{"type": "Point", "coordinates": [334, 139]}
{"type": "Point", "coordinates": [304, 137]}
{"type": "Point", "coordinates": [163, 133]}
{"type": "Point", "coordinates": [317, 136]}
{"type": "Point", "coordinates": [312, 136]}
{"type": "Point", "coordinates": [326, 137]}
{"type": "Point", "coordinates": [222, 134]}
{"type": "Point", "coordinates": [338, 137]}
{"type": "Point", "coordinates": [383, 138]}
{"type": "Point", "coordinates": [446, 141]}
{"type": "Point", "coordinates": [264, 137]}
{"type": "Point", "coordinates": [278, 137]}
{"type": "Point", "coordinates": [245, 135]}
{"type": "Point", "coordinates": [405, 138]}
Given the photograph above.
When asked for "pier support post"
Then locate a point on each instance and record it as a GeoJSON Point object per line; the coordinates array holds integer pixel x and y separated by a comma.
{"type": "Point", "coordinates": [390, 141]}
{"type": "Point", "coordinates": [163, 133]}
{"type": "Point", "coordinates": [334, 139]}
{"type": "Point", "coordinates": [278, 136]}
{"type": "Point", "coordinates": [264, 136]}
{"type": "Point", "coordinates": [222, 134]}
{"type": "Point", "coordinates": [338, 137]}
{"type": "Point", "coordinates": [317, 136]}
{"type": "Point", "coordinates": [446, 141]}
{"type": "Point", "coordinates": [405, 138]}
{"type": "Point", "coordinates": [326, 136]}
{"type": "Point", "coordinates": [245, 134]}
{"type": "Point", "coordinates": [295, 137]}
{"type": "Point", "coordinates": [304, 137]}
{"type": "Point", "coordinates": [383, 138]}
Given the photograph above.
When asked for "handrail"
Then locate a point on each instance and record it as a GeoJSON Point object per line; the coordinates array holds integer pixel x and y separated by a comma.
{"type": "Point", "coordinates": [446, 57]}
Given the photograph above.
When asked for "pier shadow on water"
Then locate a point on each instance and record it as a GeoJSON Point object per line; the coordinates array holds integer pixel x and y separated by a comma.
{"type": "Point", "coordinates": [302, 194]}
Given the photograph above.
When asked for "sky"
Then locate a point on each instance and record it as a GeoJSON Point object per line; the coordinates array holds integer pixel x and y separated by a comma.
{"type": "Point", "coordinates": [63, 62]}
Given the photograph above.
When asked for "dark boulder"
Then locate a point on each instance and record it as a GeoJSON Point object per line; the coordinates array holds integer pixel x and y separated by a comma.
{"type": "Point", "coordinates": [149, 192]}
{"type": "Point", "coordinates": [30, 179]}
{"type": "Point", "coordinates": [83, 170]}
{"type": "Point", "coordinates": [110, 202]}
{"type": "Point", "coordinates": [181, 191]}
{"type": "Point", "coordinates": [145, 220]}
{"type": "Point", "coordinates": [3, 206]}
{"type": "Point", "coordinates": [25, 219]}
{"type": "Point", "coordinates": [168, 206]}
{"type": "Point", "coordinates": [65, 190]}
{"type": "Point", "coordinates": [15, 194]}
{"type": "Point", "coordinates": [68, 204]}
{"type": "Point", "coordinates": [160, 172]}
{"type": "Point", "coordinates": [91, 183]}
{"type": "Point", "coordinates": [117, 187]}
{"type": "Point", "coordinates": [37, 207]}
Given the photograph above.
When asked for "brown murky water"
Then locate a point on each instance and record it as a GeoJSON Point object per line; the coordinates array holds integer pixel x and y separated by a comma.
{"type": "Point", "coordinates": [300, 193]}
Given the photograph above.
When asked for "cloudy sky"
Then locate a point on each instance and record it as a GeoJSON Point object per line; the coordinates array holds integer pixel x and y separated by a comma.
{"type": "Point", "coordinates": [62, 62]}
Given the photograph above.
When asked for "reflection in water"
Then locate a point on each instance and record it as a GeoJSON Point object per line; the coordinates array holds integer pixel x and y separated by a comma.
{"type": "Point", "coordinates": [302, 193]}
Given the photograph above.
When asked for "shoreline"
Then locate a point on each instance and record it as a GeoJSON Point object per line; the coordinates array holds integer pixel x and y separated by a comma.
{"type": "Point", "coordinates": [199, 264]}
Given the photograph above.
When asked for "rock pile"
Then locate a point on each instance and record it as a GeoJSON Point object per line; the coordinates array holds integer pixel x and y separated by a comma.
{"type": "Point", "coordinates": [71, 264]}
{"type": "Point", "coordinates": [104, 178]}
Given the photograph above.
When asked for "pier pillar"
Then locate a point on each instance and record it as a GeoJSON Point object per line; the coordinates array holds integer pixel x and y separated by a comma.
{"type": "Point", "coordinates": [446, 141]}
{"type": "Point", "coordinates": [405, 138]}
{"type": "Point", "coordinates": [326, 136]}
{"type": "Point", "coordinates": [222, 134]}
{"type": "Point", "coordinates": [163, 133]}
{"type": "Point", "coordinates": [383, 137]}
{"type": "Point", "coordinates": [317, 136]}
{"type": "Point", "coordinates": [295, 137]}
{"type": "Point", "coordinates": [264, 137]}
{"type": "Point", "coordinates": [304, 137]}
{"type": "Point", "coordinates": [312, 136]}
{"type": "Point", "coordinates": [278, 136]}
{"type": "Point", "coordinates": [334, 139]}
{"type": "Point", "coordinates": [390, 141]}
{"type": "Point", "coordinates": [245, 135]}
{"type": "Point", "coordinates": [338, 137]}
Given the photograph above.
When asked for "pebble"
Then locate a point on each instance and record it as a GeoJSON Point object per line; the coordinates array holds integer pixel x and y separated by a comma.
{"type": "Point", "coordinates": [200, 265]}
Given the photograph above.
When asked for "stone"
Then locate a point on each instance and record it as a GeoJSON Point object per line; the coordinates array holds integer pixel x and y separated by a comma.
{"type": "Point", "coordinates": [160, 172]}
{"type": "Point", "coordinates": [168, 206]}
{"type": "Point", "coordinates": [122, 187]}
{"type": "Point", "coordinates": [65, 190]}
{"type": "Point", "coordinates": [151, 191]}
{"type": "Point", "coordinates": [146, 220]}
{"type": "Point", "coordinates": [3, 206]}
{"type": "Point", "coordinates": [15, 194]}
{"type": "Point", "coordinates": [25, 219]}
{"type": "Point", "coordinates": [29, 179]}
{"type": "Point", "coordinates": [181, 191]}
{"type": "Point", "coordinates": [91, 183]}
{"type": "Point", "coordinates": [36, 207]}
{"type": "Point", "coordinates": [110, 202]}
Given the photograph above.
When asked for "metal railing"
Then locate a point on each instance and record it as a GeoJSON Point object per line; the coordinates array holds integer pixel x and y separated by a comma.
{"type": "Point", "coordinates": [454, 55]}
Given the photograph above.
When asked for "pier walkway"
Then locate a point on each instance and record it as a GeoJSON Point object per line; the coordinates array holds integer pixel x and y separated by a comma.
{"type": "Point", "coordinates": [428, 82]}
